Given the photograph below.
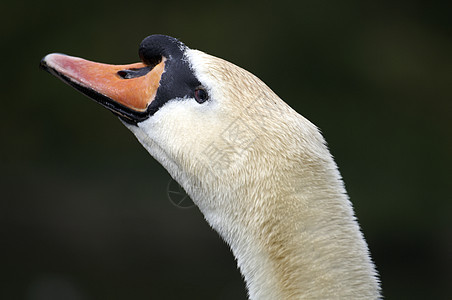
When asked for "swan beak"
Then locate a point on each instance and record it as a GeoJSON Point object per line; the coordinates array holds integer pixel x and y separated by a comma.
{"type": "Point", "coordinates": [127, 90]}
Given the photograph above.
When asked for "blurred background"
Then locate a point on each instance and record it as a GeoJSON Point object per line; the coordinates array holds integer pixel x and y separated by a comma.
{"type": "Point", "coordinates": [84, 211]}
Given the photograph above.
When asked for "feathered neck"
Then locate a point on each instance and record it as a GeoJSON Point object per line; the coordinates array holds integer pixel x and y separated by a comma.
{"type": "Point", "coordinates": [293, 232]}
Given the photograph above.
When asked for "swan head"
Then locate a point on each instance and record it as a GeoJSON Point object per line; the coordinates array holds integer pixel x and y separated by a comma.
{"type": "Point", "coordinates": [203, 118]}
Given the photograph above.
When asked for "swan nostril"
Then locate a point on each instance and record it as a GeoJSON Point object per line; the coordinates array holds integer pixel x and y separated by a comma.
{"type": "Point", "coordinates": [133, 73]}
{"type": "Point", "coordinates": [123, 74]}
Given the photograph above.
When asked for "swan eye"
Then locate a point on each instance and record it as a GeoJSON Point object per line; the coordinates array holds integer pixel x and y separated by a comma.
{"type": "Point", "coordinates": [201, 95]}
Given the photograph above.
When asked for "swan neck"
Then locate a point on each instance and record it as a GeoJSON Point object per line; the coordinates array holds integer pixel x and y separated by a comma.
{"type": "Point", "coordinates": [305, 245]}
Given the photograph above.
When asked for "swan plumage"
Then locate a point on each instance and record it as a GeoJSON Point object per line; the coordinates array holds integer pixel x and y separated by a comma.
{"type": "Point", "coordinates": [260, 173]}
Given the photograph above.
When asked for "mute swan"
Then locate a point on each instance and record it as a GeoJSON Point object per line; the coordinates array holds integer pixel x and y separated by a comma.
{"type": "Point", "coordinates": [259, 172]}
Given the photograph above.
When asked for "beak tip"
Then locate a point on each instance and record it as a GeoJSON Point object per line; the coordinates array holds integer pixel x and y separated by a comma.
{"type": "Point", "coordinates": [49, 59]}
{"type": "Point", "coordinates": [43, 64]}
{"type": "Point", "coordinates": [46, 60]}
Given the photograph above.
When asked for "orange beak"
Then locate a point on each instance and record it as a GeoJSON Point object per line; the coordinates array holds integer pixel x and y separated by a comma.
{"type": "Point", "coordinates": [125, 89]}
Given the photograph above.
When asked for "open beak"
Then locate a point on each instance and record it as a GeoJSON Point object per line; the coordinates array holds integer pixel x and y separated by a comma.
{"type": "Point", "coordinates": [126, 90]}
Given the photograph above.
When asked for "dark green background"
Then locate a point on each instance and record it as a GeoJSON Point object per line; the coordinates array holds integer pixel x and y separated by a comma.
{"type": "Point", "coordinates": [84, 212]}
